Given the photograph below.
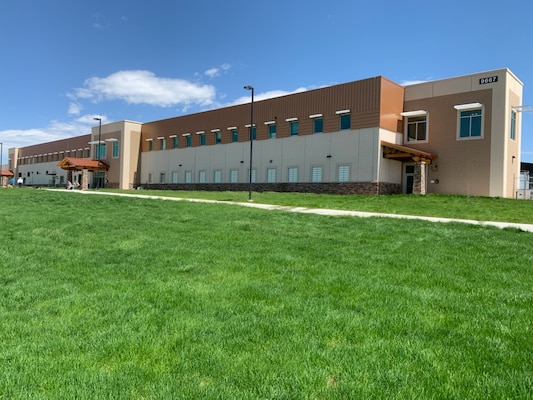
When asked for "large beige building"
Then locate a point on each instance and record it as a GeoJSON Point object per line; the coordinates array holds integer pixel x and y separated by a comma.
{"type": "Point", "coordinates": [456, 136]}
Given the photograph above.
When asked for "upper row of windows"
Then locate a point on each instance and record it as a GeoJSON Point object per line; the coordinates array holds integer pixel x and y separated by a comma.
{"type": "Point", "coordinates": [469, 123]}
{"type": "Point", "coordinates": [294, 130]}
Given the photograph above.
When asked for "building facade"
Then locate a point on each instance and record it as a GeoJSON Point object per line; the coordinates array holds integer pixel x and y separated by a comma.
{"type": "Point", "coordinates": [455, 136]}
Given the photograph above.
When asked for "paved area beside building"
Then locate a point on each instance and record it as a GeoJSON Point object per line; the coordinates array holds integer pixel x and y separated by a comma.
{"type": "Point", "coordinates": [323, 211]}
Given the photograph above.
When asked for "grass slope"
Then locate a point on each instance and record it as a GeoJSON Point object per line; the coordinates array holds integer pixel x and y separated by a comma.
{"type": "Point", "coordinates": [107, 297]}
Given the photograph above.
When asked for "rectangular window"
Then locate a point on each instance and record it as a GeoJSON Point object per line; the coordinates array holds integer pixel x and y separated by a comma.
{"type": "Point", "coordinates": [218, 176]}
{"type": "Point", "coordinates": [150, 145]}
{"type": "Point", "coordinates": [470, 124]}
{"type": "Point", "coordinates": [234, 176]}
{"type": "Point", "coordinates": [150, 178]}
{"type": "Point", "coordinates": [202, 139]}
{"type": "Point", "coordinates": [343, 172]}
{"type": "Point", "coordinates": [513, 125]}
{"type": "Point", "coordinates": [318, 125]}
{"type": "Point", "coordinates": [416, 128]}
{"type": "Point", "coordinates": [188, 176]}
{"type": "Point", "coordinates": [162, 177]}
{"type": "Point", "coordinates": [345, 121]}
{"type": "Point", "coordinates": [271, 175]}
{"type": "Point", "coordinates": [115, 149]}
{"type": "Point", "coordinates": [316, 174]}
{"type": "Point", "coordinates": [162, 144]}
{"type": "Point", "coordinates": [201, 176]}
{"type": "Point", "coordinates": [175, 142]}
{"type": "Point", "coordinates": [293, 174]}
{"type": "Point", "coordinates": [218, 137]}
{"type": "Point", "coordinates": [294, 128]}
{"type": "Point", "coordinates": [102, 148]}
{"type": "Point", "coordinates": [272, 131]}
{"type": "Point", "coordinates": [253, 175]}
{"type": "Point", "coordinates": [254, 133]}
{"type": "Point", "coordinates": [174, 176]}
{"type": "Point", "coordinates": [234, 136]}
{"type": "Point", "coordinates": [189, 141]}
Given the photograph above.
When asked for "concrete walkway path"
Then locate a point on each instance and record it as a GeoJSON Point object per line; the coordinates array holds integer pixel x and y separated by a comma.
{"type": "Point", "coordinates": [322, 211]}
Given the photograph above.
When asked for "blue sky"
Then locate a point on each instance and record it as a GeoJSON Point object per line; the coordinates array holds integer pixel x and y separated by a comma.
{"type": "Point", "coordinates": [66, 61]}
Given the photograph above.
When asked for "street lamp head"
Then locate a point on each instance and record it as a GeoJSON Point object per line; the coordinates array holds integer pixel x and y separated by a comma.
{"type": "Point", "coordinates": [97, 119]}
{"type": "Point", "coordinates": [248, 87]}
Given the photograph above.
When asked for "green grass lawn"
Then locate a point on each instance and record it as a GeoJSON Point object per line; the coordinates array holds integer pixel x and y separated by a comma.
{"type": "Point", "coordinates": [435, 205]}
{"type": "Point", "coordinates": [110, 297]}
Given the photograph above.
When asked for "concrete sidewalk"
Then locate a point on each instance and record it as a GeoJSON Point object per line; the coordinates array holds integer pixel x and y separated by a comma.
{"type": "Point", "coordinates": [322, 211]}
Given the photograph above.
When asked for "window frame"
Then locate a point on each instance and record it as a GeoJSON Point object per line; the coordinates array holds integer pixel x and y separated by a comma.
{"type": "Point", "coordinates": [294, 128]}
{"type": "Point", "coordinates": [292, 174]}
{"type": "Point", "coordinates": [345, 173]}
{"type": "Point", "coordinates": [115, 150]}
{"type": "Point", "coordinates": [342, 121]}
{"type": "Point", "coordinates": [271, 175]}
{"type": "Point", "coordinates": [320, 169]}
{"type": "Point", "coordinates": [470, 108]}
{"type": "Point", "coordinates": [512, 125]}
{"type": "Point", "coordinates": [416, 120]}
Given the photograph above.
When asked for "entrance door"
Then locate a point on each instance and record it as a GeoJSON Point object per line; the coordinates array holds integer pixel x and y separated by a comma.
{"type": "Point", "coordinates": [99, 180]}
{"type": "Point", "coordinates": [408, 178]}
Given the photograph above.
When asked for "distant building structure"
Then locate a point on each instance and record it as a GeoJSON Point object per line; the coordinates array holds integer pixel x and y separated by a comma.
{"type": "Point", "coordinates": [373, 136]}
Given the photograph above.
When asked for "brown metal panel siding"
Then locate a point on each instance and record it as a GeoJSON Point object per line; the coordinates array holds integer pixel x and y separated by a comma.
{"type": "Point", "coordinates": [392, 96]}
{"type": "Point", "coordinates": [78, 142]}
{"type": "Point", "coordinates": [362, 98]}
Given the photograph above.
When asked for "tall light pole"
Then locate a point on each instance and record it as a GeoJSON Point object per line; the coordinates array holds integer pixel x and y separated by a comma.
{"type": "Point", "coordinates": [251, 141]}
{"type": "Point", "coordinates": [98, 149]}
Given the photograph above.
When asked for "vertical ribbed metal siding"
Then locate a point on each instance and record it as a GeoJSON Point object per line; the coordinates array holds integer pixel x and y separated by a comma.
{"type": "Point", "coordinates": [362, 98]}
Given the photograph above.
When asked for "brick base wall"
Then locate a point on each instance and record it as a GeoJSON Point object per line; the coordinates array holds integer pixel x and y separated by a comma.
{"type": "Point", "coordinates": [331, 187]}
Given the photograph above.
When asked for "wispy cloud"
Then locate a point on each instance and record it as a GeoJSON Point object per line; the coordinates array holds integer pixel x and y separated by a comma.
{"type": "Point", "coordinates": [144, 87]}
{"type": "Point", "coordinates": [216, 71]}
{"type": "Point", "coordinates": [55, 130]}
{"type": "Point", "coordinates": [412, 82]}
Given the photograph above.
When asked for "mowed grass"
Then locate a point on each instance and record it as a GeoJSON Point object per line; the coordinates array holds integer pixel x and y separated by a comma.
{"type": "Point", "coordinates": [434, 205]}
{"type": "Point", "coordinates": [110, 297]}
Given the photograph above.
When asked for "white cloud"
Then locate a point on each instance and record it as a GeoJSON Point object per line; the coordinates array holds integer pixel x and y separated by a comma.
{"type": "Point", "coordinates": [144, 87]}
{"type": "Point", "coordinates": [74, 108]}
{"type": "Point", "coordinates": [412, 82]}
{"type": "Point", "coordinates": [56, 130]}
{"type": "Point", "coordinates": [212, 72]}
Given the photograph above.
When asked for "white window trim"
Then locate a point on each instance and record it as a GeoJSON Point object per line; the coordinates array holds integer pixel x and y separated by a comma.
{"type": "Point", "coordinates": [467, 107]}
{"type": "Point", "coordinates": [417, 113]}
{"type": "Point", "coordinates": [470, 107]}
{"type": "Point", "coordinates": [406, 126]}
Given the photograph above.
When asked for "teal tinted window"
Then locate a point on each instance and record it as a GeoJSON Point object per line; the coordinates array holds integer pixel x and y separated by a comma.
{"type": "Point", "coordinates": [202, 139]}
{"type": "Point", "coordinates": [189, 141]}
{"type": "Point", "coordinates": [470, 124]}
{"type": "Point", "coordinates": [272, 131]}
{"type": "Point", "coordinates": [234, 136]}
{"type": "Point", "coordinates": [513, 125]}
{"type": "Point", "coordinates": [175, 143]}
{"type": "Point", "coordinates": [318, 125]}
{"type": "Point", "coordinates": [345, 121]}
{"type": "Point", "coordinates": [115, 149]}
{"type": "Point", "coordinates": [294, 128]}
